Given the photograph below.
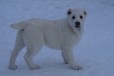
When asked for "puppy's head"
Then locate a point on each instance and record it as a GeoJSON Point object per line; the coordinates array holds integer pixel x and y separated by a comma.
{"type": "Point", "coordinates": [76, 18]}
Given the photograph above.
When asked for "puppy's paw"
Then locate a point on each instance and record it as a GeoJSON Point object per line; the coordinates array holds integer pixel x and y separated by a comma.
{"type": "Point", "coordinates": [76, 67]}
{"type": "Point", "coordinates": [34, 67]}
{"type": "Point", "coordinates": [13, 67]}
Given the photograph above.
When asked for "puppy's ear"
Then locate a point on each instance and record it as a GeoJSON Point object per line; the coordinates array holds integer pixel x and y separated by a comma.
{"type": "Point", "coordinates": [85, 13]}
{"type": "Point", "coordinates": [69, 11]}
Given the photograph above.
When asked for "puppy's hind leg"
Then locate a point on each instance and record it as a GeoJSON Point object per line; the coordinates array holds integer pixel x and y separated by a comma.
{"type": "Point", "coordinates": [31, 52]}
{"type": "Point", "coordinates": [18, 46]}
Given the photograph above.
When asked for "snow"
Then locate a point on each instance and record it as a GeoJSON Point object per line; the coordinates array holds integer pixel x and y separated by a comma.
{"type": "Point", "coordinates": [95, 52]}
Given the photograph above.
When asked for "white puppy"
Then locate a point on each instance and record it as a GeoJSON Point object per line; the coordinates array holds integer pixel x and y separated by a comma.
{"type": "Point", "coordinates": [61, 34]}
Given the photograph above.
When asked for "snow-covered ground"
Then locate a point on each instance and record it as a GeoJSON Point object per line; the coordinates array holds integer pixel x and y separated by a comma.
{"type": "Point", "coordinates": [95, 52]}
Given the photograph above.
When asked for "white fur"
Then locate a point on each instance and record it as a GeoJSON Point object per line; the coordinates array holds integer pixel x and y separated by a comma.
{"type": "Point", "coordinates": [57, 34]}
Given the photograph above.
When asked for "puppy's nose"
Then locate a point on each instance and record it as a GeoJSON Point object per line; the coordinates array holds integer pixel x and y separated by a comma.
{"type": "Point", "coordinates": [77, 24]}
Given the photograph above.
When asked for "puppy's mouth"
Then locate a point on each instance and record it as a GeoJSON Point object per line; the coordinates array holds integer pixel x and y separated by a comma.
{"type": "Point", "coordinates": [77, 26]}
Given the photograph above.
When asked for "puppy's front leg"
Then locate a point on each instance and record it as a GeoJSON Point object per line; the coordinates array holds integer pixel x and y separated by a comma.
{"type": "Point", "coordinates": [64, 58]}
{"type": "Point", "coordinates": [68, 54]}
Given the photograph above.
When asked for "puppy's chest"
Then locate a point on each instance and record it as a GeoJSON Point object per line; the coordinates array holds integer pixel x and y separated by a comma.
{"type": "Point", "coordinates": [69, 39]}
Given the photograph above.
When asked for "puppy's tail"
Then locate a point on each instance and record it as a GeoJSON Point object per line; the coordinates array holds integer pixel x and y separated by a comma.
{"type": "Point", "coordinates": [19, 26]}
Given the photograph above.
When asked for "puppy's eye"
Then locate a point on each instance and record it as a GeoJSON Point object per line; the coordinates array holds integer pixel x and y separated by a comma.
{"type": "Point", "coordinates": [73, 17]}
{"type": "Point", "coordinates": [81, 17]}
